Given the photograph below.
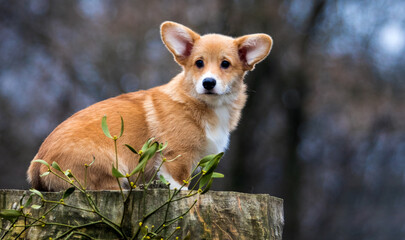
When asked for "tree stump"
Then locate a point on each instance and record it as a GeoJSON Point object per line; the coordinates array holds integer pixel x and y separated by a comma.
{"type": "Point", "coordinates": [216, 215]}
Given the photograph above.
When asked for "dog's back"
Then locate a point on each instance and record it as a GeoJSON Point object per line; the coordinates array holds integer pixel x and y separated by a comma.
{"type": "Point", "coordinates": [151, 113]}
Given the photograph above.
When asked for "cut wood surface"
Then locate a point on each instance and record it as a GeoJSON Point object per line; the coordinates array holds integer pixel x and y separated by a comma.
{"type": "Point", "coordinates": [217, 215]}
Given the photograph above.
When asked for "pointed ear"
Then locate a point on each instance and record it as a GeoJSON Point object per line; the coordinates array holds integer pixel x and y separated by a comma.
{"type": "Point", "coordinates": [178, 39]}
{"type": "Point", "coordinates": [253, 49]}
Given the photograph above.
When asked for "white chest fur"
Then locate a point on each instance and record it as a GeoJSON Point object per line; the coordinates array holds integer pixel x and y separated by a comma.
{"type": "Point", "coordinates": [217, 135]}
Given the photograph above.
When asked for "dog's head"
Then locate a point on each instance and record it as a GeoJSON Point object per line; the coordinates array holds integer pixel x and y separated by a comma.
{"type": "Point", "coordinates": [214, 65]}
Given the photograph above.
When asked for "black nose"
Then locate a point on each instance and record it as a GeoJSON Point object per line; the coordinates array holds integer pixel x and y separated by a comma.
{"type": "Point", "coordinates": [209, 83]}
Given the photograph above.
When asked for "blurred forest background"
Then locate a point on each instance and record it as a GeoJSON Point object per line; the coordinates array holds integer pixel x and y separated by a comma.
{"type": "Point", "coordinates": [324, 126]}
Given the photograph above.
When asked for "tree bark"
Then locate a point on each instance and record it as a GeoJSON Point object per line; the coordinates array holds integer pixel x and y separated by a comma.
{"type": "Point", "coordinates": [217, 215]}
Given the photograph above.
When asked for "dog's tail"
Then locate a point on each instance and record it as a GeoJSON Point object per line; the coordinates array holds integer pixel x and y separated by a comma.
{"type": "Point", "coordinates": [33, 175]}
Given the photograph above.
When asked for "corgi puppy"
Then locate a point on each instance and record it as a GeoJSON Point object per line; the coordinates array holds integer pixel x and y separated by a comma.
{"type": "Point", "coordinates": [194, 113]}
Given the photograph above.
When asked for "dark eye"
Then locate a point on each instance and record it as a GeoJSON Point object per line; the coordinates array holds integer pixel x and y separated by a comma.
{"type": "Point", "coordinates": [199, 63]}
{"type": "Point", "coordinates": [225, 64]}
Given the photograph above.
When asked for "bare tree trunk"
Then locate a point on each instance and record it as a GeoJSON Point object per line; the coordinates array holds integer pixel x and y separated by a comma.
{"type": "Point", "coordinates": [217, 215]}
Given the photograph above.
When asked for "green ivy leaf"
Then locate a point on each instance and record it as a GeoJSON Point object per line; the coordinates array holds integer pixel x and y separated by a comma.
{"type": "Point", "coordinates": [145, 157]}
{"type": "Point", "coordinates": [122, 127]}
{"type": "Point", "coordinates": [204, 180]}
{"type": "Point", "coordinates": [36, 192]}
{"type": "Point", "coordinates": [56, 166]}
{"type": "Point", "coordinates": [44, 174]}
{"type": "Point", "coordinates": [149, 153]}
{"type": "Point", "coordinates": [68, 173]}
{"type": "Point", "coordinates": [217, 175]}
{"type": "Point", "coordinates": [131, 148]}
{"type": "Point", "coordinates": [212, 164]}
{"type": "Point", "coordinates": [68, 192]}
{"type": "Point", "coordinates": [104, 126]}
{"type": "Point", "coordinates": [94, 159]}
{"type": "Point", "coordinates": [138, 168]}
{"type": "Point", "coordinates": [206, 159]}
{"type": "Point", "coordinates": [41, 161]}
{"type": "Point", "coordinates": [116, 173]}
{"type": "Point", "coordinates": [9, 214]}
{"type": "Point", "coordinates": [22, 199]}
{"type": "Point", "coordinates": [162, 147]}
{"type": "Point", "coordinates": [147, 144]}
{"type": "Point", "coordinates": [28, 202]}
{"type": "Point", "coordinates": [207, 187]}
{"type": "Point", "coordinates": [163, 179]}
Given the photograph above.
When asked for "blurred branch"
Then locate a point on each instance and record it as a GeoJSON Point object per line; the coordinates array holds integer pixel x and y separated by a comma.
{"type": "Point", "coordinates": [315, 18]}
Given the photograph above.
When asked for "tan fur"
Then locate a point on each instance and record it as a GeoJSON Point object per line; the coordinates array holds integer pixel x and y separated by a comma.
{"type": "Point", "coordinates": [174, 112]}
